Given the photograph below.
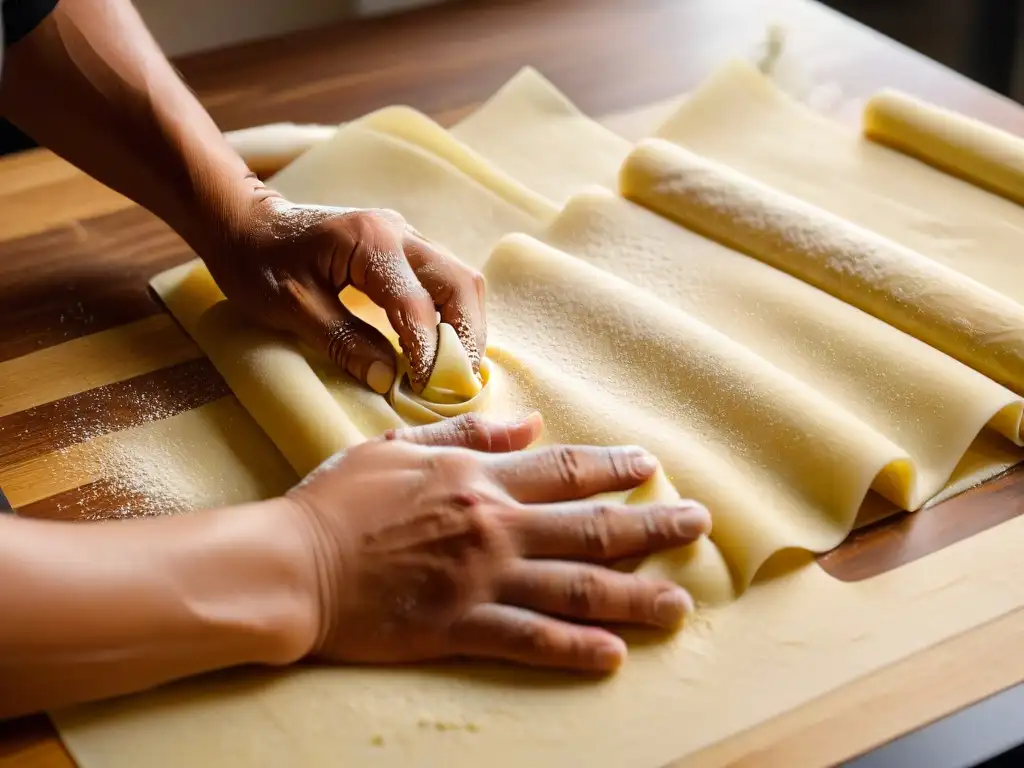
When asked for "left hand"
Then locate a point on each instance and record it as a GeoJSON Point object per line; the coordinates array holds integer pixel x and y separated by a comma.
{"type": "Point", "coordinates": [288, 263]}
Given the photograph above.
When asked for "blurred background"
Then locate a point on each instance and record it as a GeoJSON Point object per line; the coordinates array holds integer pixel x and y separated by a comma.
{"type": "Point", "coordinates": [982, 39]}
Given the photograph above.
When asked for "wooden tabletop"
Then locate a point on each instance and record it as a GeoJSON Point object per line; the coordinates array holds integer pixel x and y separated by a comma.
{"type": "Point", "coordinates": [75, 257]}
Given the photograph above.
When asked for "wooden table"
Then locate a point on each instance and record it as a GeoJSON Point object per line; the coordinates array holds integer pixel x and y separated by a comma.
{"type": "Point", "coordinates": [75, 258]}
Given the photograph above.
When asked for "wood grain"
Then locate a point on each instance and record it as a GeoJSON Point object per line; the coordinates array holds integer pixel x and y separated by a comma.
{"type": "Point", "coordinates": [159, 394]}
{"type": "Point", "coordinates": [35, 179]}
{"type": "Point", "coordinates": [909, 536]}
{"type": "Point", "coordinates": [92, 361]}
{"type": "Point", "coordinates": [82, 278]}
{"type": "Point", "coordinates": [75, 258]}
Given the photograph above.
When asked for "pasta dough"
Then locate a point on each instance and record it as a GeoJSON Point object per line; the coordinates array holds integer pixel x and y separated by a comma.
{"type": "Point", "coordinates": [953, 143]}
{"type": "Point", "coordinates": [453, 387]}
{"type": "Point", "coordinates": [938, 305]}
{"type": "Point", "coordinates": [767, 398]}
{"type": "Point", "coordinates": [549, 129]}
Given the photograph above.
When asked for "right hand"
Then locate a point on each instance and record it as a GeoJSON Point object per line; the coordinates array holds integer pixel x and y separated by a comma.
{"type": "Point", "coordinates": [425, 552]}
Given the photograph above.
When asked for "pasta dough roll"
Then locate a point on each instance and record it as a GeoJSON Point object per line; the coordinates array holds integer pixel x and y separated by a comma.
{"type": "Point", "coordinates": [951, 142]}
{"type": "Point", "coordinates": [950, 311]}
{"type": "Point", "coordinates": [265, 370]}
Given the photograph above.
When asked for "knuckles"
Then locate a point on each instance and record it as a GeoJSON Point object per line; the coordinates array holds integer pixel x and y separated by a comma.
{"type": "Point", "coordinates": [473, 430]}
{"type": "Point", "coordinates": [568, 464]}
{"type": "Point", "coordinates": [598, 532]}
{"type": "Point", "coordinates": [585, 593]}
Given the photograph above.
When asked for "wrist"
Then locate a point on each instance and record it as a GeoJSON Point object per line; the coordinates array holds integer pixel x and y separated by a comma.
{"type": "Point", "coordinates": [253, 582]}
{"type": "Point", "coordinates": [231, 217]}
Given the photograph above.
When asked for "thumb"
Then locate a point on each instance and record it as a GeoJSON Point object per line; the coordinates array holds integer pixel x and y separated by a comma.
{"type": "Point", "coordinates": [475, 432]}
{"type": "Point", "coordinates": [324, 323]}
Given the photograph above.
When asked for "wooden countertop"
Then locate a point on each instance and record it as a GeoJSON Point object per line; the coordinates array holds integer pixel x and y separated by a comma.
{"type": "Point", "coordinates": [75, 258]}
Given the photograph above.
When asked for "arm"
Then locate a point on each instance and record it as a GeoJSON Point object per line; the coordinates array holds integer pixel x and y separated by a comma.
{"type": "Point", "coordinates": [94, 610]}
{"type": "Point", "coordinates": [91, 84]}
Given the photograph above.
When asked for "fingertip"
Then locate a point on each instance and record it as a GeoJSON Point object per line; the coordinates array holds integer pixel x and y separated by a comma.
{"type": "Point", "coordinates": [705, 522]}
{"type": "Point", "coordinates": [691, 520]}
{"type": "Point", "coordinates": [529, 429]}
{"type": "Point", "coordinates": [642, 462]}
{"type": "Point", "coordinates": [609, 653]}
{"type": "Point", "coordinates": [672, 606]}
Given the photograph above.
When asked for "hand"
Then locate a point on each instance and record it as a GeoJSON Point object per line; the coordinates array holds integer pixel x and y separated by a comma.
{"type": "Point", "coordinates": [287, 264]}
{"type": "Point", "coordinates": [426, 552]}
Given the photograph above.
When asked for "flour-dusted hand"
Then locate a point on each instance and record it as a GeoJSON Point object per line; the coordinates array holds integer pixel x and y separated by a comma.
{"type": "Point", "coordinates": [420, 552]}
{"type": "Point", "coordinates": [287, 264]}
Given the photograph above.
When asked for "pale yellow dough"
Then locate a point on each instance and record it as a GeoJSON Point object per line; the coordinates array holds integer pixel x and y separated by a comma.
{"type": "Point", "coordinates": [763, 395]}
{"type": "Point", "coordinates": [453, 388]}
{"type": "Point", "coordinates": [953, 143]}
{"type": "Point", "coordinates": [954, 313]}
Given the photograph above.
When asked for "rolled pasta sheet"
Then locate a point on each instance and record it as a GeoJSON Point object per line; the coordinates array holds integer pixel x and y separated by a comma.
{"type": "Point", "coordinates": [970, 149]}
{"type": "Point", "coordinates": [266, 371]}
{"type": "Point", "coordinates": [948, 310]}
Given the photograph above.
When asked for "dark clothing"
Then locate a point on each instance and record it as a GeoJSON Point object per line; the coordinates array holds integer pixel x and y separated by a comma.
{"type": "Point", "coordinates": [17, 19]}
{"type": "Point", "coordinates": [20, 17]}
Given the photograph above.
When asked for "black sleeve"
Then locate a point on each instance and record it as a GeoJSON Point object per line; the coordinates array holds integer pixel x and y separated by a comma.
{"type": "Point", "coordinates": [22, 16]}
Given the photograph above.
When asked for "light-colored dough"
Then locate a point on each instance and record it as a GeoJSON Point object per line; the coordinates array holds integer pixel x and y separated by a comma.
{"type": "Point", "coordinates": [951, 142]}
{"type": "Point", "coordinates": [700, 566]}
{"type": "Point", "coordinates": [738, 118]}
{"type": "Point", "coordinates": [453, 387]}
{"type": "Point", "coordinates": [528, 125]}
{"type": "Point", "coordinates": [881, 376]}
{"type": "Point", "coordinates": [934, 303]}
{"type": "Point", "coordinates": [770, 400]}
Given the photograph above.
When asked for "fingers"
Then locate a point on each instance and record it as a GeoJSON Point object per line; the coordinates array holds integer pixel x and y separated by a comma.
{"type": "Point", "coordinates": [565, 473]}
{"type": "Point", "coordinates": [594, 531]}
{"type": "Point", "coordinates": [474, 432]}
{"type": "Point", "coordinates": [513, 634]}
{"type": "Point", "coordinates": [592, 593]}
{"type": "Point", "coordinates": [379, 268]}
{"type": "Point", "coordinates": [457, 291]}
{"type": "Point", "coordinates": [324, 323]}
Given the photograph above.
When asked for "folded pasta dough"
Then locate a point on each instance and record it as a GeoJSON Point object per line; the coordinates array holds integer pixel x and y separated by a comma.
{"type": "Point", "coordinates": [265, 370]}
{"type": "Point", "coordinates": [877, 373]}
{"type": "Point", "coordinates": [419, 130]}
{"type": "Point", "coordinates": [775, 460]}
{"type": "Point", "coordinates": [954, 143]}
{"type": "Point", "coordinates": [958, 315]}
{"type": "Point", "coordinates": [651, 334]}
{"type": "Point", "coordinates": [453, 387]}
{"type": "Point", "coordinates": [700, 567]}
{"type": "Point", "coordinates": [536, 135]}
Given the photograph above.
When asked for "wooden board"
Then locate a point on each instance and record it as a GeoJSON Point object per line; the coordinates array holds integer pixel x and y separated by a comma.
{"type": "Point", "coordinates": [75, 258]}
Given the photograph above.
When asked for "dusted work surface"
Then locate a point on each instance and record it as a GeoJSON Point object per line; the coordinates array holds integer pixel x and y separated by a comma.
{"type": "Point", "coordinates": [82, 263]}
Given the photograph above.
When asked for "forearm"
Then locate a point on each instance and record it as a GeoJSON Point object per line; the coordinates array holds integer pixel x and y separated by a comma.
{"type": "Point", "coordinates": [92, 85]}
{"type": "Point", "coordinates": [95, 610]}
